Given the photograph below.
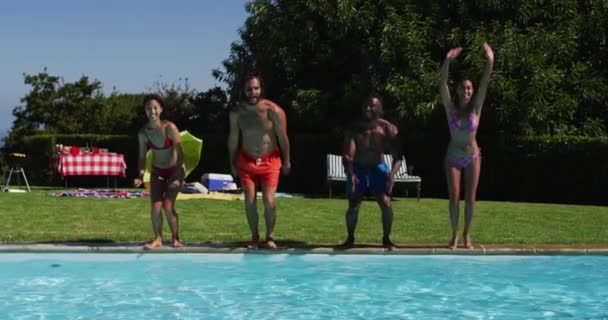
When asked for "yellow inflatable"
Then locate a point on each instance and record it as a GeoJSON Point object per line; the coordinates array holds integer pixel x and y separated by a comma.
{"type": "Point", "coordinates": [193, 147]}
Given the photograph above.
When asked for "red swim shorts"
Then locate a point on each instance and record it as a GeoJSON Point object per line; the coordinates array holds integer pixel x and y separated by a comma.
{"type": "Point", "coordinates": [263, 171]}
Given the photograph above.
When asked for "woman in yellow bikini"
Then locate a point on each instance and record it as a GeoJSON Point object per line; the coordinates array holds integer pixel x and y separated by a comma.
{"type": "Point", "coordinates": [463, 154]}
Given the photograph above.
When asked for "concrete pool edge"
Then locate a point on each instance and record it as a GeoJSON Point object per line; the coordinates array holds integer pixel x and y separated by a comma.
{"type": "Point", "coordinates": [318, 249]}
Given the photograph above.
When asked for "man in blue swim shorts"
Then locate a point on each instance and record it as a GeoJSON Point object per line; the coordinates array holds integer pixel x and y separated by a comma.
{"type": "Point", "coordinates": [363, 157]}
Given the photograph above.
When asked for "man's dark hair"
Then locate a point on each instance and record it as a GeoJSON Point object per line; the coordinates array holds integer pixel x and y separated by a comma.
{"type": "Point", "coordinates": [250, 77]}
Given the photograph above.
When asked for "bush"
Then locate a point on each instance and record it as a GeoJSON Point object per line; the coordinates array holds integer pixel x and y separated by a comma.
{"type": "Point", "coordinates": [567, 169]}
{"type": "Point", "coordinates": [562, 169]}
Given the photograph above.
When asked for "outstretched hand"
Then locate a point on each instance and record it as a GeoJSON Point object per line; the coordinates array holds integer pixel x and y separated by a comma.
{"type": "Point", "coordinates": [488, 52]}
{"type": "Point", "coordinates": [453, 53]}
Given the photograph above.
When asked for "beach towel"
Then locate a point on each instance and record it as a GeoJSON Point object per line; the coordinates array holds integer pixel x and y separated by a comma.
{"type": "Point", "coordinates": [99, 193]}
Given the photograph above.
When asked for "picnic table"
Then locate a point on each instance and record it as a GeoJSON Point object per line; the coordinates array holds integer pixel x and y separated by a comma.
{"type": "Point", "coordinates": [89, 164]}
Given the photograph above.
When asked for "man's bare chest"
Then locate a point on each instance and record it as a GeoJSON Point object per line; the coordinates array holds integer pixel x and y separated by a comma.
{"type": "Point", "coordinates": [370, 136]}
{"type": "Point", "coordinates": [255, 120]}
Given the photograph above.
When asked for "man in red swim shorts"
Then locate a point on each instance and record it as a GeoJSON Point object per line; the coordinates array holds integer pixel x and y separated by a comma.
{"type": "Point", "coordinates": [261, 127]}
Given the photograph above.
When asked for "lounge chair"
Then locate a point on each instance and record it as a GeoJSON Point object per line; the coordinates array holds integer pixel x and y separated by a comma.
{"type": "Point", "coordinates": [336, 172]}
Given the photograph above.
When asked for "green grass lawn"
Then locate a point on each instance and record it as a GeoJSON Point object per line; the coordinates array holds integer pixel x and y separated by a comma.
{"type": "Point", "coordinates": [36, 217]}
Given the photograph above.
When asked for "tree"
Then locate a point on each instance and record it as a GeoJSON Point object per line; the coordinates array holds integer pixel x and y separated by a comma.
{"type": "Point", "coordinates": [123, 113]}
{"type": "Point", "coordinates": [210, 112]}
{"type": "Point", "coordinates": [53, 106]}
{"type": "Point", "coordinates": [178, 101]}
{"type": "Point", "coordinates": [320, 58]}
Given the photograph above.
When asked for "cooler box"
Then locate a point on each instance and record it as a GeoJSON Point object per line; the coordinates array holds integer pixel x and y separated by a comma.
{"type": "Point", "coordinates": [217, 181]}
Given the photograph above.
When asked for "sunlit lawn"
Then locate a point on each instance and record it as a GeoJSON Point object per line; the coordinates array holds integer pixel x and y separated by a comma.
{"type": "Point", "coordinates": [36, 217]}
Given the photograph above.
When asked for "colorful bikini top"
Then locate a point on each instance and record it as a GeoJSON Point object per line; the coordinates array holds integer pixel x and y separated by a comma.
{"type": "Point", "coordinates": [470, 126]}
{"type": "Point", "coordinates": [167, 144]}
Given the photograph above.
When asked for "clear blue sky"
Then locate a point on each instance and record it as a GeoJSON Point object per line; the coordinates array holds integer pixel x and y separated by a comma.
{"type": "Point", "coordinates": [126, 44]}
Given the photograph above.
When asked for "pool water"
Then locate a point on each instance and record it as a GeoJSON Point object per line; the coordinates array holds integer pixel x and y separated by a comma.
{"type": "Point", "coordinates": [314, 286]}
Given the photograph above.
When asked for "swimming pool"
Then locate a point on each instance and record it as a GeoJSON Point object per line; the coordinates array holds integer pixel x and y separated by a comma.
{"type": "Point", "coordinates": [314, 286]}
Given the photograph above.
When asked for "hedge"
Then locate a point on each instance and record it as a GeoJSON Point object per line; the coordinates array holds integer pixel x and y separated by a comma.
{"type": "Point", "coordinates": [563, 169]}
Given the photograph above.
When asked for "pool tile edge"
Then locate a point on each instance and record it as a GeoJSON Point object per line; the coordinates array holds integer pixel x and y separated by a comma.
{"type": "Point", "coordinates": [218, 248]}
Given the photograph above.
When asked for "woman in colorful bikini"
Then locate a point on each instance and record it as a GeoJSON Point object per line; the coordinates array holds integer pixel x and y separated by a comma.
{"type": "Point", "coordinates": [167, 175]}
{"type": "Point", "coordinates": [463, 154]}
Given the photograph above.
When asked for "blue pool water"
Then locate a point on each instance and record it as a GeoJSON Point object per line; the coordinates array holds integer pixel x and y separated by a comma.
{"type": "Point", "coordinates": [258, 286]}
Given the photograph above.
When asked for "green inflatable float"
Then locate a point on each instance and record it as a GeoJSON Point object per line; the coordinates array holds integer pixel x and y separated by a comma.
{"type": "Point", "coordinates": [193, 147]}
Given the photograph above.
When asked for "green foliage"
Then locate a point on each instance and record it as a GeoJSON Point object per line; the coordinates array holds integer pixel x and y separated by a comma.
{"type": "Point", "coordinates": [123, 113]}
{"type": "Point", "coordinates": [197, 112]}
{"type": "Point", "coordinates": [3, 166]}
{"type": "Point", "coordinates": [321, 58]}
{"type": "Point", "coordinates": [210, 114]}
{"type": "Point", "coordinates": [561, 169]}
{"type": "Point", "coordinates": [178, 102]}
{"type": "Point", "coordinates": [55, 107]}
{"type": "Point", "coordinates": [565, 169]}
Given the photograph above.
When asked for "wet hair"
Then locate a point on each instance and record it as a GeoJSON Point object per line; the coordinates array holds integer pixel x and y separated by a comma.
{"type": "Point", "coordinates": [156, 98]}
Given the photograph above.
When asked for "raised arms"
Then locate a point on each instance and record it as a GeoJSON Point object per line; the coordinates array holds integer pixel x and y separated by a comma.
{"type": "Point", "coordinates": [480, 96]}
{"type": "Point", "coordinates": [444, 90]}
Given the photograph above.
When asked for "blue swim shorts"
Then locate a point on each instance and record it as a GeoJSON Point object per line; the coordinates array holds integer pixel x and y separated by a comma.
{"type": "Point", "coordinates": [374, 178]}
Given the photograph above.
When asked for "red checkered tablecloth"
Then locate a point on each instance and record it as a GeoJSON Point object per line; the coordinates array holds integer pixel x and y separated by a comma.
{"type": "Point", "coordinates": [103, 164]}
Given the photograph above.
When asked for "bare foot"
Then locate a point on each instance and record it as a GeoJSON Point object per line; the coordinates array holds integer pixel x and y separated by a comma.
{"type": "Point", "coordinates": [454, 242]}
{"type": "Point", "coordinates": [388, 244]}
{"type": "Point", "coordinates": [468, 243]}
{"type": "Point", "coordinates": [270, 244]}
{"type": "Point", "coordinates": [154, 244]}
{"type": "Point", "coordinates": [177, 244]}
{"type": "Point", "coordinates": [349, 243]}
{"type": "Point", "coordinates": [254, 243]}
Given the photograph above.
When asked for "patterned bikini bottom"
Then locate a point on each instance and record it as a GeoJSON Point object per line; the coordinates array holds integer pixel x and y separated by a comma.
{"type": "Point", "coordinates": [463, 161]}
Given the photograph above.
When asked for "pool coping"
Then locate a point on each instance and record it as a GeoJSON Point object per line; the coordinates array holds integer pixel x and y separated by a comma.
{"type": "Point", "coordinates": [80, 247]}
